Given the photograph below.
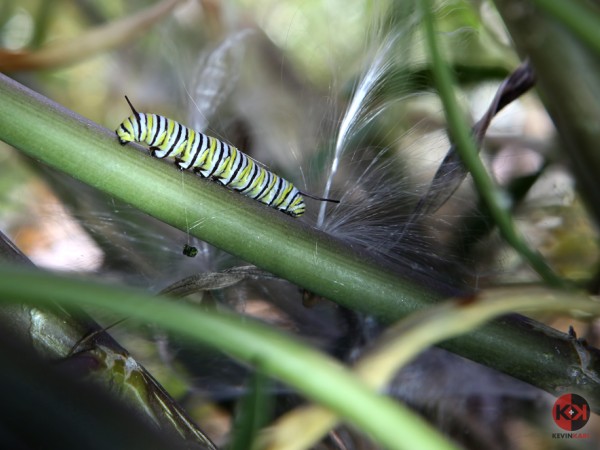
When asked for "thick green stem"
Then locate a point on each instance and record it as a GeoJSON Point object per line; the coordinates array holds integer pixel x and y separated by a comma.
{"type": "Point", "coordinates": [241, 226]}
{"type": "Point", "coordinates": [275, 242]}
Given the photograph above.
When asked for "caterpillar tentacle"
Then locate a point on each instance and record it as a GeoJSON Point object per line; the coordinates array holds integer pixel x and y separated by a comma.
{"type": "Point", "coordinates": [320, 198]}
{"type": "Point", "coordinates": [212, 158]}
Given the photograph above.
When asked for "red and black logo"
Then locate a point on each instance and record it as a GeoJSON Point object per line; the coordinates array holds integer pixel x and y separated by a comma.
{"type": "Point", "coordinates": [571, 412]}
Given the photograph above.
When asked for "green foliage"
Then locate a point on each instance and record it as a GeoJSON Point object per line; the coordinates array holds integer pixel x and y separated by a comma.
{"type": "Point", "coordinates": [465, 49]}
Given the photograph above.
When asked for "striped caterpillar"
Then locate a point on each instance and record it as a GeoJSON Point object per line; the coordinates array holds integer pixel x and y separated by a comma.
{"type": "Point", "coordinates": [212, 158]}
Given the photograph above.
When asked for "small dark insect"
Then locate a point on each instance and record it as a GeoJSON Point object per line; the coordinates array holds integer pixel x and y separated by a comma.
{"type": "Point", "coordinates": [190, 251]}
{"type": "Point", "coordinates": [212, 158]}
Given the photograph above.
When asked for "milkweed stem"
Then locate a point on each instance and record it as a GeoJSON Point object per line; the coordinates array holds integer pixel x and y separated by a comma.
{"type": "Point", "coordinates": [494, 198]}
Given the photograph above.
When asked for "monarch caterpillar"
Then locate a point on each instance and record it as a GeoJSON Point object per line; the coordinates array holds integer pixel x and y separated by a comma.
{"type": "Point", "coordinates": [212, 158]}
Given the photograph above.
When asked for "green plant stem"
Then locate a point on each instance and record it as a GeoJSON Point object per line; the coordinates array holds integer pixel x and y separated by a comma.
{"type": "Point", "coordinates": [403, 341]}
{"type": "Point", "coordinates": [318, 377]}
{"type": "Point", "coordinates": [241, 226]}
{"type": "Point", "coordinates": [54, 333]}
{"type": "Point", "coordinates": [568, 84]}
{"type": "Point", "coordinates": [495, 200]}
{"type": "Point", "coordinates": [274, 242]}
{"type": "Point", "coordinates": [581, 20]}
{"type": "Point", "coordinates": [43, 16]}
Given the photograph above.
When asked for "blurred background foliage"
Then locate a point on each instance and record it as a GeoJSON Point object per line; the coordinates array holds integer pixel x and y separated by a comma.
{"type": "Point", "coordinates": [275, 78]}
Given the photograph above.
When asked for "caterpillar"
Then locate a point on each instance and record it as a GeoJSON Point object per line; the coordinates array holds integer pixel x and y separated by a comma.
{"type": "Point", "coordinates": [212, 158]}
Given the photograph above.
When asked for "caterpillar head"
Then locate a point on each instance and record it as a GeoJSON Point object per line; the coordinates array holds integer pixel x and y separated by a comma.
{"type": "Point", "coordinates": [129, 130]}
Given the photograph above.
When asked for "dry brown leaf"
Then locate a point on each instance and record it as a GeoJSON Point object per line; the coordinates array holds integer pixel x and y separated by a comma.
{"type": "Point", "coordinates": [96, 40]}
